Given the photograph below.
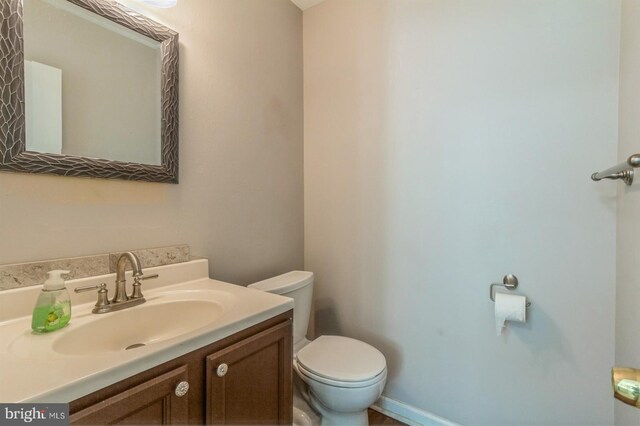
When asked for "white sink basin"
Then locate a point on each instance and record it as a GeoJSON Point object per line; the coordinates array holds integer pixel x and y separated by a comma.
{"type": "Point", "coordinates": [137, 327]}
{"type": "Point", "coordinates": [165, 317]}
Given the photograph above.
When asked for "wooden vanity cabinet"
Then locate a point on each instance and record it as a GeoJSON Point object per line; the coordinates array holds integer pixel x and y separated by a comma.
{"type": "Point", "coordinates": [242, 379]}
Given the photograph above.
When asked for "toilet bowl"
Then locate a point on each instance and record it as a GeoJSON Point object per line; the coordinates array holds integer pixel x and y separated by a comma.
{"type": "Point", "coordinates": [342, 376]}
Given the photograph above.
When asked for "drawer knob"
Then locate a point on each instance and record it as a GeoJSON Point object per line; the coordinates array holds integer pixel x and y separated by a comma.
{"type": "Point", "coordinates": [182, 389]}
{"type": "Point", "coordinates": [222, 370]}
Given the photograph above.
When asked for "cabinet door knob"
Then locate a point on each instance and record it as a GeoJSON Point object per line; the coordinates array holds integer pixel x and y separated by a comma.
{"type": "Point", "coordinates": [182, 389]}
{"type": "Point", "coordinates": [222, 370]}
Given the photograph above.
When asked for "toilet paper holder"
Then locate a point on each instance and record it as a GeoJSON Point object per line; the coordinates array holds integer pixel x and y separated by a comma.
{"type": "Point", "coordinates": [510, 282]}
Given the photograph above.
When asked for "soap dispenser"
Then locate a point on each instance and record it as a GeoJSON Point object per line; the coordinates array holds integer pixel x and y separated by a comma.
{"type": "Point", "coordinates": [53, 308]}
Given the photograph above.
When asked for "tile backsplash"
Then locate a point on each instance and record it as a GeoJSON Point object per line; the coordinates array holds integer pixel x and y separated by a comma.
{"type": "Point", "coordinates": [34, 273]}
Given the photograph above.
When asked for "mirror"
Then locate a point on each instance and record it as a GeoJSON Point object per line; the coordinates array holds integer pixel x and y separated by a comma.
{"type": "Point", "coordinates": [92, 88]}
{"type": "Point", "coordinates": [74, 95]}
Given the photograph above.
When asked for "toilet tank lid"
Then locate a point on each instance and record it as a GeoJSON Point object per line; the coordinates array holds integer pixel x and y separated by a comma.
{"type": "Point", "coordinates": [284, 283]}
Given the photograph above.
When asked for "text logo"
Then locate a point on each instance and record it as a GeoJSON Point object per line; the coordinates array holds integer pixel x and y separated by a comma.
{"type": "Point", "coordinates": [34, 414]}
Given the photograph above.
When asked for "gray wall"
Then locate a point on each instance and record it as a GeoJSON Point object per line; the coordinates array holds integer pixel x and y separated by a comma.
{"type": "Point", "coordinates": [448, 143]}
{"type": "Point", "coordinates": [628, 289]}
{"type": "Point", "coordinates": [240, 198]}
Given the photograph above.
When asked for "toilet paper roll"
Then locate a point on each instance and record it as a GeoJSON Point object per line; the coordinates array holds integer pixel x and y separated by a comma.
{"type": "Point", "coordinates": [509, 307]}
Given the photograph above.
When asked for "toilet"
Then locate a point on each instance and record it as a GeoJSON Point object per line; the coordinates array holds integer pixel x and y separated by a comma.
{"type": "Point", "coordinates": [343, 376]}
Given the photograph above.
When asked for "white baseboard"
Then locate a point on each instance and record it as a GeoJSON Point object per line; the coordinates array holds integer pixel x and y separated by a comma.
{"type": "Point", "coordinates": [408, 414]}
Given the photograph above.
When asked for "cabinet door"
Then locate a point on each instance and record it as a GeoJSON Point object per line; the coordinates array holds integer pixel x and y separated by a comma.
{"type": "Point", "coordinates": [250, 382]}
{"type": "Point", "coordinates": [154, 402]}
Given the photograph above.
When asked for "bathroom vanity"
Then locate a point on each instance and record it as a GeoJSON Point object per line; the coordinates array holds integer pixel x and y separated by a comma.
{"type": "Point", "coordinates": [243, 379]}
{"type": "Point", "coordinates": [198, 351]}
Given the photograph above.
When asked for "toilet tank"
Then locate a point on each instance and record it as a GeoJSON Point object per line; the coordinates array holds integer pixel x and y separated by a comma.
{"type": "Point", "coordinates": [299, 286]}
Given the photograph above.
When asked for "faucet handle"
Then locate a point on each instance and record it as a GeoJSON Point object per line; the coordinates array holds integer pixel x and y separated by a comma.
{"type": "Point", "coordinates": [137, 291]}
{"type": "Point", "coordinates": [100, 288]}
{"type": "Point", "coordinates": [103, 297]}
{"type": "Point", "coordinates": [148, 277]}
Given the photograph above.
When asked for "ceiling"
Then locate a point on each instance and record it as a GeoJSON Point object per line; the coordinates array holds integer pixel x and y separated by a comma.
{"type": "Point", "coordinates": [306, 4]}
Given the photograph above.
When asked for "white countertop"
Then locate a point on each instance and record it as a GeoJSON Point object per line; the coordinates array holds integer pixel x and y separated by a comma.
{"type": "Point", "coordinates": [30, 371]}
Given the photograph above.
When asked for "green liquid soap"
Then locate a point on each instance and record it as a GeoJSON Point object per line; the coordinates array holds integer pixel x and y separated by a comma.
{"type": "Point", "coordinates": [50, 318]}
{"type": "Point", "coordinates": [53, 307]}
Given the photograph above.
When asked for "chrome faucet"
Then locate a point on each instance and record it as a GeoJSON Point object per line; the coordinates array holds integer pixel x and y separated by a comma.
{"type": "Point", "coordinates": [120, 300]}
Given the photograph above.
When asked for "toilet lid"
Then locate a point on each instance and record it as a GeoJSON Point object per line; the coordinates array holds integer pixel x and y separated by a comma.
{"type": "Point", "coordinates": [341, 358]}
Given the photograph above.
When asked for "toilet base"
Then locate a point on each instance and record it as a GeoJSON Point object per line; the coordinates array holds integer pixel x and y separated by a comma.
{"type": "Point", "coordinates": [333, 418]}
{"type": "Point", "coordinates": [301, 418]}
{"type": "Point", "coordinates": [304, 414]}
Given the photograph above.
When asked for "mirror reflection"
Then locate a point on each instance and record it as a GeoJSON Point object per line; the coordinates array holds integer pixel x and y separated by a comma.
{"type": "Point", "coordinates": [92, 87]}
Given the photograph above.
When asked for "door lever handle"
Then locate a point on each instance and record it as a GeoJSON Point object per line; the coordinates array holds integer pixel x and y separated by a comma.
{"type": "Point", "coordinates": [626, 385]}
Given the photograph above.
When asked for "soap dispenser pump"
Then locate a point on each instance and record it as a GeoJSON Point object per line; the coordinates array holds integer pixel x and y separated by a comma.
{"type": "Point", "coordinates": [53, 308]}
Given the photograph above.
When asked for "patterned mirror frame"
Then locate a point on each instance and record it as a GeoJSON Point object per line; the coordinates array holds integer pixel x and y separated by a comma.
{"type": "Point", "coordinates": [14, 157]}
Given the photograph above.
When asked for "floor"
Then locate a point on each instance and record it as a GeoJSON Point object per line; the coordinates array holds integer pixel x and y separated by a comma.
{"type": "Point", "coordinates": [379, 419]}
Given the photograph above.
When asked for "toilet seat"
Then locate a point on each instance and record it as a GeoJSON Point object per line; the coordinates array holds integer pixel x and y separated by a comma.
{"type": "Point", "coordinates": [337, 383]}
{"type": "Point", "coordinates": [341, 361]}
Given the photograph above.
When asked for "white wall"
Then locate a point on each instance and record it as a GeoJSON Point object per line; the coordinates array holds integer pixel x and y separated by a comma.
{"type": "Point", "coordinates": [240, 197]}
{"type": "Point", "coordinates": [448, 143]}
{"type": "Point", "coordinates": [628, 289]}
